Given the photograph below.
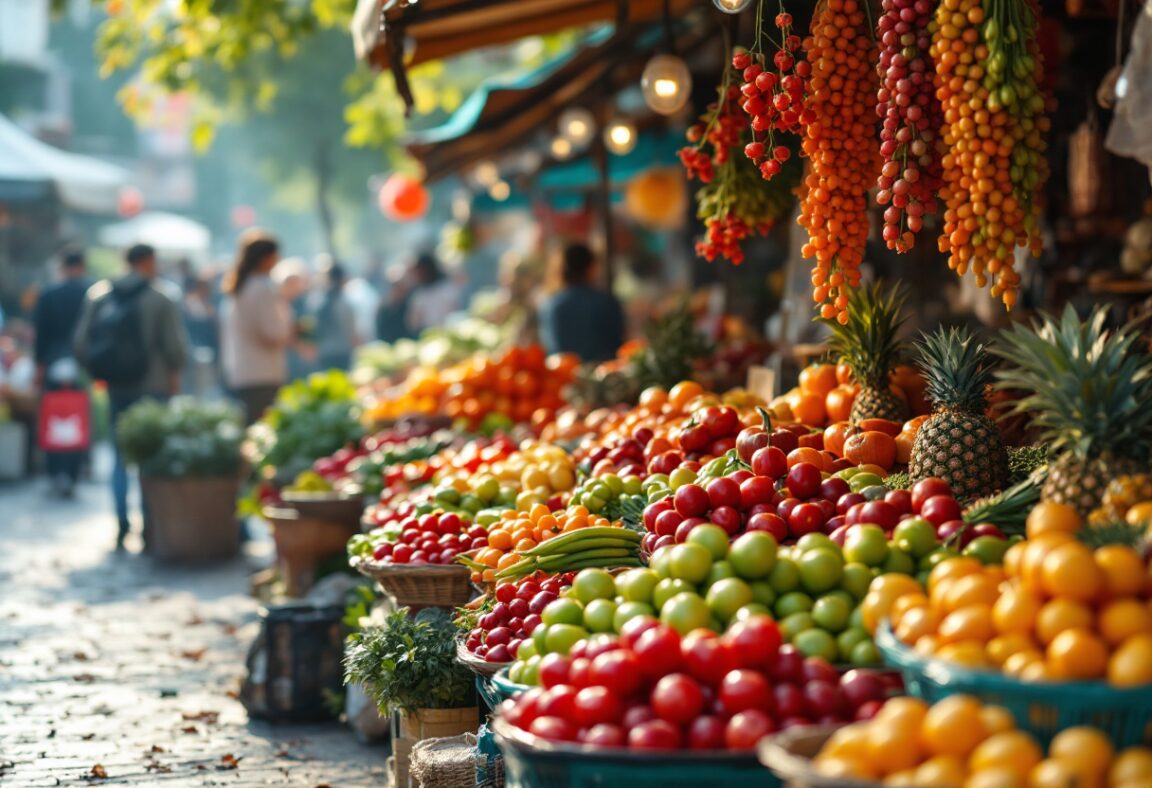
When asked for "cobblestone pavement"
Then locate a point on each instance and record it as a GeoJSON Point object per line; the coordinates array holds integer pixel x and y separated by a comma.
{"type": "Point", "coordinates": [115, 670]}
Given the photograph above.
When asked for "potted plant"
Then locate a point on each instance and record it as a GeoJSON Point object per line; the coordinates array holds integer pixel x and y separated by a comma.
{"type": "Point", "coordinates": [188, 454]}
{"type": "Point", "coordinates": [408, 666]}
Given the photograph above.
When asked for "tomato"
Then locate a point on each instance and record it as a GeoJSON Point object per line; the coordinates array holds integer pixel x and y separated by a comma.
{"type": "Point", "coordinates": [706, 733]}
{"type": "Point", "coordinates": [862, 686]}
{"type": "Point", "coordinates": [657, 651]}
{"type": "Point", "coordinates": [789, 665]}
{"type": "Point", "coordinates": [939, 509]}
{"type": "Point", "coordinates": [554, 670]}
{"type": "Point", "coordinates": [694, 439]}
{"type": "Point", "coordinates": [879, 513]}
{"type": "Point", "coordinates": [769, 522]}
{"type": "Point", "coordinates": [667, 522]}
{"type": "Point", "coordinates": [723, 492]}
{"type": "Point", "coordinates": [871, 447]}
{"type": "Point", "coordinates": [553, 728]}
{"type": "Point", "coordinates": [749, 441]}
{"type": "Point", "coordinates": [804, 480]}
{"type": "Point", "coordinates": [805, 519]}
{"type": "Point", "coordinates": [927, 488]}
{"type": "Point", "coordinates": [691, 500]}
{"type": "Point", "coordinates": [559, 701]}
{"type": "Point", "coordinates": [745, 730]}
{"type": "Point", "coordinates": [605, 736]}
{"type": "Point", "coordinates": [789, 700]}
{"type": "Point", "coordinates": [677, 698]}
{"type": "Point", "coordinates": [596, 705]}
{"type": "Point", "coordinates": [655, 735]}
{"type": "Point", "coordinates": [755, 490]}
{"type": "Point", "coordinates": [654, 510]}
{"type": "Point", "coordinates": [745, 689]}
{"type": "Point", "coordinates": [634, 628]}
{"type": "Point", "coordinates": [728, 518]}
{"type": "Point", "coordinates": [707, 657]}
{"type": "Point", "coordinates": [785, 440]}
{"type": "Point", "coordinates": [618, 671]}
{"type": "Point", "coordinates": [847, 501]}
{"type": "Point", "coordinates": [785, 507]}
{"type": "Point", "coordinates": [637, 714]}
{"type": "Point", "coordinates": [755, 641]}
{"type": "Point", "coordinates": [771, 461]}
{"type": "Point", "coordinates": [580, 674]}
{"type": "Point", "coordinates": [833, 488]}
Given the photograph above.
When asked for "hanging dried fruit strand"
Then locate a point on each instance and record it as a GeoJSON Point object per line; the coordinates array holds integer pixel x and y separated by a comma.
{"type": "Point", "coordinates": [988, 73]}
{"type": "Point", "coordinates": [839, 141]}
{"type": "Point", "coordinates": [910, 176]}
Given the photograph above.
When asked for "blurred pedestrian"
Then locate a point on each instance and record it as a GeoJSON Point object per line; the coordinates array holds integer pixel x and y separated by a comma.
{"type": "Point", "coordinates": [203, 327]}
{"type": "Point", "coordinates": [434, 297]}
{"type": "Point", "coordinates": [392, 314]}
{"type": "Point", "coordinates": [55, 318]}
{"type": "Point", "coordinates": [294, 279]}
{"type": "Point", "coordinates": [335, 335]}
{"type": "Point", "coordinates": [581, 318]}
{"type": "Point", "coordinates": [256, 326]}
{"type": "Point", "coordinates": [131, 336]}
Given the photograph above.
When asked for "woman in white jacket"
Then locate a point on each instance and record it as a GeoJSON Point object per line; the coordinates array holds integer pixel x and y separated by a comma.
{"type": "Point", "coordinates": [257, 327]}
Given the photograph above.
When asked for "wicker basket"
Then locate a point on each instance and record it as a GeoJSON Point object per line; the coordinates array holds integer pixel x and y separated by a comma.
{"type": "Point", "coordinates": [789, 755]}
{"type": "Point", "coordinates": [420, 586]}
{"type": "Point", "coordinates": [478, 665]}
{"type": "Point", "coordinates": [334, 507]}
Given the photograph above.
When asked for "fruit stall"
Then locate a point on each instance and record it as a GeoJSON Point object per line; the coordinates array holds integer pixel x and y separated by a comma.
{"type": "Point", "coordinates": [923, 564]}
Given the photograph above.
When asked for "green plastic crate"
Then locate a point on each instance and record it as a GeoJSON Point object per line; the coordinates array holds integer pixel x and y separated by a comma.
{"type": "Point", "coordinates": [531, 762]}
{"type": "Point", "coordinates": [1043, 708]}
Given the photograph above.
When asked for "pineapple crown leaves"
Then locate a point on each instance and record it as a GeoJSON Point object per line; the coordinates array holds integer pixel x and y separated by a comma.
{"type": "Point", "coordinates": [1089, 389]}
{"type": "Point", "coordinates": [957, 368]}
{"type": "Point", "coordinates": [867, 342]}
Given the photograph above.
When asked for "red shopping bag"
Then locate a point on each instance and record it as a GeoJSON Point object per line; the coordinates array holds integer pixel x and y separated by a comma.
{"type": "Point", "coordinates": [65, 421]}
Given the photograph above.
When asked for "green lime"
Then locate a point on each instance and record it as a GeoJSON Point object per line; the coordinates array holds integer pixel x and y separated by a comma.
{"type": "Point", "coordinates": [636, 585]}
{"type": "Point", "coordinates": [685, 612]}
{"type": "Point", "coordinates": [763, 593]}
{"type": "Point", "coordinates": [820, 570]}
{"type": "Point", "coordinates": [856, 580]}
{"type": "Point", "coordinates": [794, 624]}
{"type": "Point", "coordinates": [592, 584]}
{"type": "Point", "coordinates": [816, 643]}
{"type": "Point", "coordinates": [540, 638]}
{"type": "Point", "coordinates": [626, 611]}
{"type": "Point", "coordinates": [792, 602]}
{"type": "Point", "coordinates": [516, 672]}
{"type": "Point", "coordinates": [785, 576]}
{"type": "Point", "coordinates": [681, 476]}
{"type": "Point", "coordinates": [865, 653]}
{"type": "Point", "coordinates": [531, 673]}
{"type": "Point", "coordinates": [831, 613]}
{"type": "Point", "coordinates": [527, 649]}
{"type": "Point", "coordinates": [599, 616]}
{"type": "Point", "coordinates": [915, 536]}
{"type": "Point", "coordinates": [562, 637]}
{"type": "Point", "coordinates": [898, 561]}
{"type": "Point", "coordinates": [719, 571]}
{"type": "Point", "coordinates": [668, 588]}
{"type": "Point", "coordinates": [691, 562]}
{"type": "Point", "coordinates": [727, 596]}
{"type": "Point", "coordinates": [712, 537]}
{"type": "Point", "coordinates": [751, 609]}
{"type": "Point", "coordinates": [848, 640]}
{"type": "Point", "coordinates": [660, 562]}
{"type": "Point", "coordinates": [815, 541]}
{"type": "Point", "coordinates": [753, 555]}
{"type": "Point", "coordinates": [563, 611]}
{"type": "Point", "coordinates": [866, 544]}
{"type": "Point", "coordinates": [987, 549]}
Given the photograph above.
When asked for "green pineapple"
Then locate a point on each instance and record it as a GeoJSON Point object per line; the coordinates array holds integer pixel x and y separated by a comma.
{"type": "Point", "coordinates": [869, 346]}
{"type": "Point", "coordinates": [1090, 393]}
{"type": "Point", "coordinates": [958, 442]}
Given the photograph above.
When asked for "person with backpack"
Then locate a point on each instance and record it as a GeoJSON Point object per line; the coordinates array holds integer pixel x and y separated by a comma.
{"type": "Point", "coordinates": [131, 336]}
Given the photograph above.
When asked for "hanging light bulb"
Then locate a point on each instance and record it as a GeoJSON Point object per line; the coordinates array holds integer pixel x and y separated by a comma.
{"type": "Point", "coordinates": [731, 6]}
{"type": "Point", "coordinates": [499, 191]}
{"type": "Point", "coordinates": [561, 148]}
{"type": "Point", "coordinates": [620, 137]}
{"type": "Point", "coordinates": [666, 83]}
{"type": "Point", "coordinates": [577, 126]}
{"type": "Point", "coordinates": [486, 173]}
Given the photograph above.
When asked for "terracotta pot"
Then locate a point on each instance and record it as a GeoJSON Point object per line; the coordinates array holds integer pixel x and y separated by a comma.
{"type": "Point", "coordinates": [191, 519]}
{"type": "Point", "coordinates": [302, 542]}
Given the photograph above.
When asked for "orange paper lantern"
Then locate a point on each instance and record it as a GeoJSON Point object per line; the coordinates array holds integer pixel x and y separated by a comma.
{"type": "Point", "coordinates": [656, 198]}
{"type": "Point", "coordinates": [403, 198]}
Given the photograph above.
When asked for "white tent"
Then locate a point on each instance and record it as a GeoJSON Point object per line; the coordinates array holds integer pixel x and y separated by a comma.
{"type": "Point", "coordinates": [83, 183]}
{"type": "Point", "coordinates": [171, 235]}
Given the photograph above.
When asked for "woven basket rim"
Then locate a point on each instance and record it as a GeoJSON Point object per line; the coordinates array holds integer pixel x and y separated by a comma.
{"type": "Point", "coordinates": [776, 752]}
{"type": "Point", "coordinates": [318, 496]}
{"type": "Point", "coordinates": [378, 568]}
{"type": "Point", "coordinates": [478, 665]}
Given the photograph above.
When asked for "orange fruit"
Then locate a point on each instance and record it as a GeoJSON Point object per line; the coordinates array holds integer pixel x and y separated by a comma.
{"type": "Point", "coordinates": [1001, 647]}
{"type": "Point", "coordinates": [1016, 751]}
{"type": "Point", "coordinates": [906, 603]}
{"type": "Point", "coordinates": [1120, 619]}
{"type": "Point", "coordinates": [1032, 559]}
{"type": "Point", "coordinates": [1131, 767]}
{"type": "Point", "coordinates": [973, 622]}
{"type": "Point", "coordinates": [1016, 664]}
{"type": "Point", "coordinates": [894, 746]}
{"type": "Point", "coordinates": [849, 742]}
{"type": "Point", "coordinates": [683, 393]}
{"type": "Point", "coordinates": [941, 770]}
{"type": "Point", "coordinates": [995, 777]}
{"type": "Point", "coordinates": [953, 726]}
{"type": "Point", "coordinates": [969, 653]}
{"type": "Point", "coordinates": [1070, 571]}
{"type": "Point", "coordinates": [975, 589]}
{"type": "Point", "coordinates": [1123, 569]}
{"type": "Point", "coordinates": [1057, 615]}
{"type": "Point", "coordinates": [953, 568]}
{"type": "Point", "coordinates": [653, 397]}
{"type": "Point", "coordinates": [1016, 610]}
{"type": "Point", "coordinates": [844, 768]}
{"type": "Point", "coordinates": [1036, 671]}
{"type": "Point", "coordinates": [997, 719]}
{"type": "Point", "coordinates": [843, 373]}
{"type": "Point", "coordinates": [818, 379]}
{"type": "Point", "coordinates": [1088, 747]}
{"type": "Point", "coordinates": [882, 595]}
{"type": "Point", "coordinates": [1077, 654]}
{"type": "Point", "coordinates": [905, 778]}
{"type": "Point", "coordinates": [1057, 773]}
{"type": "Point", "coordinates": [1049, 516]}
{"type": "Point", "coordinates": [838, 403]}
{"type": "Point", "coordinates": [1131, 664]}
{"type": "Point", "coordinates": [809, 409]}
{"type": "Point", "coordinates": [1139, 514]}
{"type": "Point", "coordinates": [903, 709]}
{"type": "Point", "coordinates": [915, 623]}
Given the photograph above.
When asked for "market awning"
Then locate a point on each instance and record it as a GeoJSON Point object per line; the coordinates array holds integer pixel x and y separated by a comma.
{"type": "Point", "coordinates": [394, 34]}
{"type": "Point", "coordinates": [507, 113]}
{"type": "Point", "coordinates": [168, 233]}
{"type": "Point", "coordinates": [83, 183]}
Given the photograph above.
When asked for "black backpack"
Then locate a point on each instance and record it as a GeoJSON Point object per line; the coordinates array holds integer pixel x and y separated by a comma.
{"type": "Point", "coordinates": [117, 350]}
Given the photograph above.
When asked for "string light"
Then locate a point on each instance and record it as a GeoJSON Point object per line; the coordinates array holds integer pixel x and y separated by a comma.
{"type": "Point", "coordinates": [667, 84]}
{"type": "Point", "coordinates": [620, 137]}
{"type": "Point", "coordinates": [561, 148]}
{"type": "Point", "coordinates": [732, 6]}
{"type": "Point", "coordinates": [577, 126]}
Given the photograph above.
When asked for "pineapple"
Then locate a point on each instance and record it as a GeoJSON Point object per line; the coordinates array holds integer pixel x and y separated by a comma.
{"type": "Point", "coordinates": [867, 342]}
{"type": "Point", "coordinates": [958, 443]}
{"type": "Point", "coordinates": [1090, 393]}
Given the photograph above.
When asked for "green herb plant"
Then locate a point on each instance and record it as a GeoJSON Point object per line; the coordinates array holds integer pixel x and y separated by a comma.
{"type": "Point", "coordinates": [186, 437]}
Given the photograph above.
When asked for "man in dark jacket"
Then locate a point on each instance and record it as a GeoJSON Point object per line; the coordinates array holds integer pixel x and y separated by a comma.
{"type": "Point", "coordinates": [165, 346]}
{"type": "Point", "coordinates": [57, 313]}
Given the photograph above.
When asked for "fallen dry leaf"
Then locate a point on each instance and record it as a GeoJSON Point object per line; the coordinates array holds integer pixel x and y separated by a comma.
{"type": "Point", "coordinates": [84, 678]}
{"type": "Point", "coordinates": [99, 772]}
{"type": "Point", "coordinates": [323, 785]}
{"type": "Point", "coordinates": [194, 655]}
{"type": "Point", "coordinates": [157, 748]}
{"type": "Point", "coordinates": [189, 729]}
{"type": "Point", "coordinates": [228, 761]}
{"type": "Point", "coordinates": [88, 737]}
{"type": "Point", "coordinates": [206, 717]}
{"type": "Point", "coordinates": [80, 656]}
{"type": "Point", "coordinates": [233, 694]}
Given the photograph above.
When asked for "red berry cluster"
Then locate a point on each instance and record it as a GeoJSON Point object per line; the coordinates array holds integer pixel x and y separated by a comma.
{"type": "Point", "coordinates": [773, 97]}
{"type": "Point", "coordinates": [713, 137]}
{"type": "Point", "coordinates": [911, 175]}
{"type": "Point", "coordinates": [513, 617]}
{"type": "Point", "coordinates": [435, 538]}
